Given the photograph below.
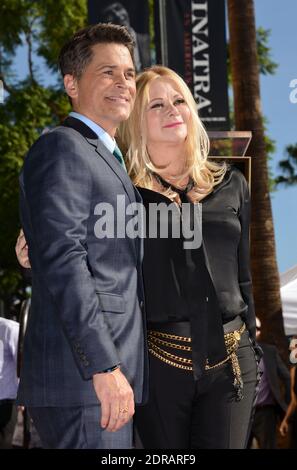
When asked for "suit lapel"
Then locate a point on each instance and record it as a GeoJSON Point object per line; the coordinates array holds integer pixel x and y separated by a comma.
{"type": "Point", "coordinates": [103, 152]}
{"type": "Point", "coordinates": [115, 165]}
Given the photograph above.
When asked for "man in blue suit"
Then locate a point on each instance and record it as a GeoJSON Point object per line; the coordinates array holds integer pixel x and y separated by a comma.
{"type": "Point", "coordinates": [84, 363]}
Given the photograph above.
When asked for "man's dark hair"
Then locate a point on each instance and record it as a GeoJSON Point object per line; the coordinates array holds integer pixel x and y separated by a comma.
{"type": "Point", "coordinates": [77, 53]}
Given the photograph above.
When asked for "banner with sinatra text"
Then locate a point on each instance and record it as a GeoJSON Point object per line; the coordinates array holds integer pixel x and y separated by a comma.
{"type": "Point", "coordinates": [190, 38]}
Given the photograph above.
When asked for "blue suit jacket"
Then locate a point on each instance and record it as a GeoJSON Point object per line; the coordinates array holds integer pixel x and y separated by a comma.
{"type": "Point", "coordinates": [87, 297]}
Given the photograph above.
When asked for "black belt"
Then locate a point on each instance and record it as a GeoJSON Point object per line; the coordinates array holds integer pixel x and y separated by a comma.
{"type": "Point", "coordinates": [183, 328]}
{"type": "Point", "coordinates": [234, 324]}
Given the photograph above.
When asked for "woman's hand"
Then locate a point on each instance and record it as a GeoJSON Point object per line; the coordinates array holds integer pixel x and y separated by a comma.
{"type": "Point", "coordinates": [21, 249]}
{"type": "Point", "coordinates": [283, 429]}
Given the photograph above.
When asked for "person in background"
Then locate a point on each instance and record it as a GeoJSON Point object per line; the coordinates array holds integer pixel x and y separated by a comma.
{"type": "Point", "coordinates": [116, 13]}
{"type": "Point", "coordinates": [291, 414]}
{"type": "Point", "coordinates": [270, 404]}
{"type": "Point", "coordinates": [9, 332]}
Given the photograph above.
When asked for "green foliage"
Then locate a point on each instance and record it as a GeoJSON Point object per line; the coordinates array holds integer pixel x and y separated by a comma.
{"type": "Point", "coordinates": [266, 64]}
{"type": "Point", "coordinates": [270, 146]}
{"type": "Point", "coordinates": [288, 167]}
{"type": "Point", "coordinates": [58, 21]}
{"type": "Point", "coordinates": [48, 22]}
{"type": "Point", "coordinates": [13, 23]}
{"type": "Point", "coordinates": [151, 26]}
{"type": "Point", "coordinates": [30, 107]}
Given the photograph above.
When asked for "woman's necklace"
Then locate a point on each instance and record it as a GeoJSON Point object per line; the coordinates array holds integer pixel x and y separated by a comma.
{"type": "Point", "coordinates": [167, 185]}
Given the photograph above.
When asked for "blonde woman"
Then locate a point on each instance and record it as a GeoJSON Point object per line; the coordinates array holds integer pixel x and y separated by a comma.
{"type": "Point", "coordinates": [200, 317]}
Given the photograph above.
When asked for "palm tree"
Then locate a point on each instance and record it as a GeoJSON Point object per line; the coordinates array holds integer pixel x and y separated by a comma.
{"type": "Point", "coordinates": [248, 116]}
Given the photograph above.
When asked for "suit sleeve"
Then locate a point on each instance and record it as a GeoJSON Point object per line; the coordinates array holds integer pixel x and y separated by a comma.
{"type": "Point", "coordinates": [57, 185]}
{"type": "Point", "coordinates": [244, 270]}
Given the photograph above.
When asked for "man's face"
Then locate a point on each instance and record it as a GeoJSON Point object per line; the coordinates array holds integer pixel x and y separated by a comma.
{"type": "Point", "coordinates": [105, 93]}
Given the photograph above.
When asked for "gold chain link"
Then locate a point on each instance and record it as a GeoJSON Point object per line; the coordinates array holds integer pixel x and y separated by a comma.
{"type": "Point", "coordinates": [168, 354]}
{"type": "Point", "coordinates": [231, 341]}
{"type": "Point", "coordinates": [168, 344]}
{"type": "Point", "coordinates": [171, 363]}
{"type": "Point", "coordinates": [186, 339]}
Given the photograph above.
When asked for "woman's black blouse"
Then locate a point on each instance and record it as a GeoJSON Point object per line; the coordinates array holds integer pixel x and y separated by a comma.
{"type": "Point", "coordinates": [171, 278]}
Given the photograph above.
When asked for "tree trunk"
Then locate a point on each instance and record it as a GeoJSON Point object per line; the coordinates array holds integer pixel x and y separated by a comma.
{"type": "Point", "coordinates": [248, 116]}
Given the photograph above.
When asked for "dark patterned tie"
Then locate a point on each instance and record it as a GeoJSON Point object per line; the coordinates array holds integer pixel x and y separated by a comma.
{"type": "Point", "coordinates": [119, 156]}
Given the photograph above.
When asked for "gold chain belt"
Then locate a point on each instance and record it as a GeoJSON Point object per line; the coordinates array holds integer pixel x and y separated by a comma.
{"type": "Point", "coordinates": [157, 339]}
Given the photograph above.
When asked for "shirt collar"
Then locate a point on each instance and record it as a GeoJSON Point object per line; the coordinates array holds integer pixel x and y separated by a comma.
{"type": "Point", "coordinates": [106, 139]}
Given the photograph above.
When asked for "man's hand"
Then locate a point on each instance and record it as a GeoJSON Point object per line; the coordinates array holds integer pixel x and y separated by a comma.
{"type": "Point", "coordinates": [21, 249]}
{"type": "Point", "coordinates": [116, 397]}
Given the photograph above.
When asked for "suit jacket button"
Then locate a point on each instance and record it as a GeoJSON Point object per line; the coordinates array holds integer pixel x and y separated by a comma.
{"type": "Point", "coordinates": [141, 304]}
{"type": "Point", "coordinates": [206, 298]}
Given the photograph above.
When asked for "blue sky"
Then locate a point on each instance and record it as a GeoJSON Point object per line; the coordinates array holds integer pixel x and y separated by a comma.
{"type": "Point", "coordinates": [282, 116]}
{"type": "Point", "coordinates": [280, 112]}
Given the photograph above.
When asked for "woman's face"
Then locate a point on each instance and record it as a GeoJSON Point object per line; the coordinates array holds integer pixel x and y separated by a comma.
{"type": "Point", "coordinates": [167, 114]}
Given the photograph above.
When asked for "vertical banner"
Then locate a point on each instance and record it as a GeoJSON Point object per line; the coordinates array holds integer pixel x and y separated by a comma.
{"type": "Point", "coordinates": [130, 13]}
{"type": "Point", "coordinates": [190, 38]}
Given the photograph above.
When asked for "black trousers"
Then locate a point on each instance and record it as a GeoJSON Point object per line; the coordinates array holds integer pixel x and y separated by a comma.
{"type": "Point", "coordinates": [187, 414]}
{"type": "Point", "coordinates": [8, 418]}
{"type": "Point", "coordinates": [264, 426]}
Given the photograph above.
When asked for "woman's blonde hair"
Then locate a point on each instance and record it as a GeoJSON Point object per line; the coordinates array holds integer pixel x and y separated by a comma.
{"type": "Point", "coordinates": [132, 138]}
